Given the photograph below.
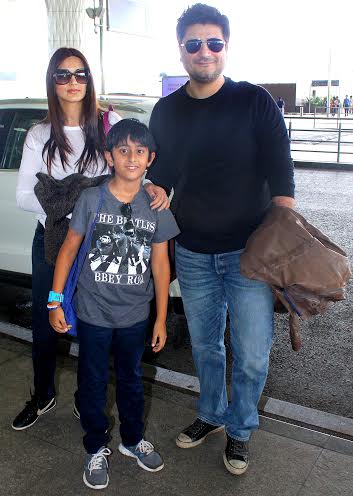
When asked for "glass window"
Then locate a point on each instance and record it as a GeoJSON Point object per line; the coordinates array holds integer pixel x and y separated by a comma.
{"type": "Point", "coordinates": [6, 118]}
{"type": "Point", "coordinates": [14, 124]}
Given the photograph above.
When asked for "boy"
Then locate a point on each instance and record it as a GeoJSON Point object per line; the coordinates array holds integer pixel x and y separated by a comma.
{"type": "Point", "coordinates": [113, 295]}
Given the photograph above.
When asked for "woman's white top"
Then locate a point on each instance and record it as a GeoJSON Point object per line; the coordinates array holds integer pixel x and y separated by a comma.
{"type": "Point", "coordinates": [32, 162]}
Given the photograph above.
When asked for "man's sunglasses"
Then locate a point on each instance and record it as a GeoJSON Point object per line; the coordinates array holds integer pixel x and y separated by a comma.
{"type": "Point", "coordinates": [214, 44]}
{"type": "Point", "coordinates": [63, 76]}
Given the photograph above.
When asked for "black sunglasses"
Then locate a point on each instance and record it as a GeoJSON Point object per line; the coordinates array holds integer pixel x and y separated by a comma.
{"type": "Point", "coordinates": [214, 44]}
{"type": "Point", "coordinates": [63, 76]}
{"type": "Point", "coordinates": [126, 210]}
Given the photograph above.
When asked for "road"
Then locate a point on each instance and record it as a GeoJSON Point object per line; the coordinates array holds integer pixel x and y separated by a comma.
{"type": "Point", "coordinates": [320, 375]}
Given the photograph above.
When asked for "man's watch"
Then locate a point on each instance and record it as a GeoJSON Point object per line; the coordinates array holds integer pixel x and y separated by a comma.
{"type": "Point", "coordinates": [55, 297]}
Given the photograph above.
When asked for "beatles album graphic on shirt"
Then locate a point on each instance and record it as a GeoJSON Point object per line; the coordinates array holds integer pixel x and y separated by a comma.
{"type": "Point", "coordinates": [121, 249]}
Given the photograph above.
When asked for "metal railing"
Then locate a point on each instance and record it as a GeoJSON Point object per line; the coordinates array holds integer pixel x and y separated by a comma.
{"type": "Point", "coordinates": [328, 135]}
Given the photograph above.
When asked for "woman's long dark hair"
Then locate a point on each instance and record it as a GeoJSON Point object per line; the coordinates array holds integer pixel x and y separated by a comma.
{"type": "Point", "coordinates": [91, 120]}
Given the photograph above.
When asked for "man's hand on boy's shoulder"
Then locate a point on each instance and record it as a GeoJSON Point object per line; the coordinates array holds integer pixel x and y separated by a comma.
{"type": "Point", "coordinates": [159, 336]}
{"type": "Point", "coordinates": [158, 195]}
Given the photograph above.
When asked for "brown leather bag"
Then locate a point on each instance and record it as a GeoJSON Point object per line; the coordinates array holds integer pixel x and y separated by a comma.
{"type": "Point", "coordinates": [305, 269]}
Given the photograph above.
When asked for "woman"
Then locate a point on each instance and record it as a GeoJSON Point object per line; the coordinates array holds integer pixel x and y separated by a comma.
{"type": "Point", "coordinates": [70, 140]}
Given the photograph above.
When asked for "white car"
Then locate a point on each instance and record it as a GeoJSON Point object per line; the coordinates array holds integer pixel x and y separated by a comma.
{"type": "Point", "coordinates": [17, 226]}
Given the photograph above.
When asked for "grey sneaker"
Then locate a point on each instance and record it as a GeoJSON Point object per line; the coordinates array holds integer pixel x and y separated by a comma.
{"type": "Point", "coordinates": [95, 474]}
{"type": "Point", "coordinates": [147, 458]}
{"type": "Point", "coordinates": [236, 456]}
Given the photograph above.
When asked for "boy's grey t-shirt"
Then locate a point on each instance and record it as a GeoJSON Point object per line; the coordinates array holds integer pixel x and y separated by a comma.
{"type": "Point", "coordinates": [115, 285]}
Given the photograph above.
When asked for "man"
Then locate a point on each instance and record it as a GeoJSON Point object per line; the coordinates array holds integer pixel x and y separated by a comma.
{"type": "Point", "coordinates": [223, 147]}
{"type": "Point", "coordinates": [281, 104]}
{"type": "Point", "coordinates": [346, 106]}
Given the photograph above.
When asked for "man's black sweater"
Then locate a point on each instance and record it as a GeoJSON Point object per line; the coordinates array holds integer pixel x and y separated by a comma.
{"type": "Point", "coordinates": [225, 156]}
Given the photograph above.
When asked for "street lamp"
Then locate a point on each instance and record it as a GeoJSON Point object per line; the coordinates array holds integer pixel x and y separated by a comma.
{"type": "Point", "coordinates": [98, 13]}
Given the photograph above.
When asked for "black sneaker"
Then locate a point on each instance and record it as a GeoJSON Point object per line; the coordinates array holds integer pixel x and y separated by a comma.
{"type": "Point", "coordinates": [32, 411]}
{"type": "Point", "coordinates": [236, 456]}
{"type": "Point", "coordinates": [196, 433]}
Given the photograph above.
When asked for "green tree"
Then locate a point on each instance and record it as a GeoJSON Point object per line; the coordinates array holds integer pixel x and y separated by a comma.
{"type": "Point", "coordinates": [316, 101]}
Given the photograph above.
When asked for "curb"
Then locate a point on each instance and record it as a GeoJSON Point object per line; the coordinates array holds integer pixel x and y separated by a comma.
{"type": "Point", "coordinates": [327, 166]}
{"type": "Point", "coordinates": [289, 414]}
{"type": "Point", "coordinates": [284, 411]}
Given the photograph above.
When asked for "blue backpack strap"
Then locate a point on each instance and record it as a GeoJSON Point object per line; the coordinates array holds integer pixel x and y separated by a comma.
{"type": "Point", "coordinates": [76, 269]}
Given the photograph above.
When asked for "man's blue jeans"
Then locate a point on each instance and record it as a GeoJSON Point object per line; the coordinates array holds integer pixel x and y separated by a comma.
{"type": "Point", "coordinates": [128, 345]}
{"type": "Point", "coordinates": [209, 285]}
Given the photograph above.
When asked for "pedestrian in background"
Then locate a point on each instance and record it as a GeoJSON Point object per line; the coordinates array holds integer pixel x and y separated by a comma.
{"type": "Point", "coordinates": [281, 104]}
{"type": "Point", "coordinates": [346, 105]}
{"type": "Point", "coordinates": [337, 104]}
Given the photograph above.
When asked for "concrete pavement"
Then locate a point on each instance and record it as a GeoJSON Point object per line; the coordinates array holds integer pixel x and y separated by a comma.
{"type": "Point", "coordinates": [47, 458]}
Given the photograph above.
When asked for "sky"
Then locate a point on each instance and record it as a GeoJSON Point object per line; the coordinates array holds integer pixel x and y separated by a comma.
{"type": "Point", "coordinates": [271, 41]}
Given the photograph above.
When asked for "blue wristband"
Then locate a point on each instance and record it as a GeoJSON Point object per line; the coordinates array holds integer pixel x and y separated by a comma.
{"type": "Point", "coordinates": [59, 297]}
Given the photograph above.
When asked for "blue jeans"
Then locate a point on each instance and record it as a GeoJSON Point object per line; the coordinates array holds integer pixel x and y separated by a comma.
{"type": "Point", "coordinates": [209, 285]}
{"type": "Point", "coordinates": [128, 345]}
{"type": "Point", "coordinates": [44, 337]}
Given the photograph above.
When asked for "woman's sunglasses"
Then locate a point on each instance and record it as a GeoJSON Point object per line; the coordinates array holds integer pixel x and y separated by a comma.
{"type": "Point", "coordinates": [214, 44]}
{"type": "Point", "coordinates": [63, 76]}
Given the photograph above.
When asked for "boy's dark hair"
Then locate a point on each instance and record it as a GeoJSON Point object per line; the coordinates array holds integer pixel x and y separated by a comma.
{"type": "Point", "coordinates": [201, 13]}
{"type": "Point", "coordinates": [133, 129]}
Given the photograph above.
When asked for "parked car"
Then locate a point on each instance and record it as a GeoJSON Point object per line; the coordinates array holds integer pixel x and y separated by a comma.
{"type": "Point", "coordinates": [16, 225]}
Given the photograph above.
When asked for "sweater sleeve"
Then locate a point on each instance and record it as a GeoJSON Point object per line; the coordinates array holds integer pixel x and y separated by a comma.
{"type": "Point", "coordinates": [273, 145]}
{"type": "Point", "coordinates": [30, 164]}
{"type": "Point", "coordinates": [160, 172]}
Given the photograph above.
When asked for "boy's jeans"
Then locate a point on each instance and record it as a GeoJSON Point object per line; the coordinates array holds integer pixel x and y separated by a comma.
{"type": "Point", "coordinates": [44, 337]}
{"type": "Point", "coordinates": [128, 346]}
{"type": "Point", "coordinates": [209, 284]}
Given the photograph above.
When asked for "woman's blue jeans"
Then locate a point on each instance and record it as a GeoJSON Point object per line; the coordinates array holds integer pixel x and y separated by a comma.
{"type": "Point", "coordinates": [209, 285]}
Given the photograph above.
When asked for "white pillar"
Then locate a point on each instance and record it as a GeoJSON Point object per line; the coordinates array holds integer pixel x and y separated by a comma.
{"type": "Point", "coordinates": [66, 24]}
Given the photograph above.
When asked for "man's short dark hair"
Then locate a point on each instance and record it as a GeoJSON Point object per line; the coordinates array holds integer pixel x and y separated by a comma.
{"type": "Point", "coordinates": [133, 129]}
{"type": "Point", "coordinates": [201, 13]}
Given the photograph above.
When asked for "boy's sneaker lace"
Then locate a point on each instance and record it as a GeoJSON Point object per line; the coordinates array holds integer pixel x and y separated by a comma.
{"type": "Point", "coordinates": [145, 454]}
{"type": "Point", "coordinates": [236, 456]}
{"type": "Point", "coordinates": [32, 411]}
{"type": "Point", "coordinates": [196, 433]}
{"type": "Point", "coordinates": [95, 474]}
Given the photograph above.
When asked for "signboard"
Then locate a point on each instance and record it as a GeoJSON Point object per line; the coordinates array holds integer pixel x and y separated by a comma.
{"type": "Point", "coordinates": [324, 82]}
{"type": "Point", "coordinates": [128, 16]}
{"type": "Point", "coordinates": [172, 83]}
